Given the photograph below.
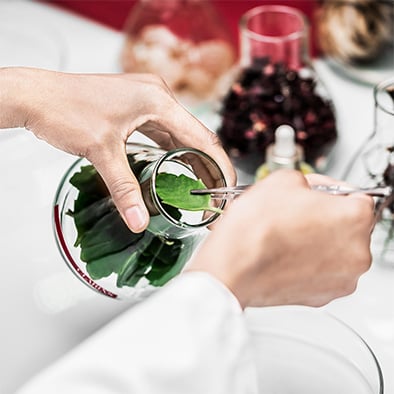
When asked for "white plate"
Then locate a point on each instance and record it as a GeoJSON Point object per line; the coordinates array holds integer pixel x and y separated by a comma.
{"type": "Point", "coordinates": [371, 73]}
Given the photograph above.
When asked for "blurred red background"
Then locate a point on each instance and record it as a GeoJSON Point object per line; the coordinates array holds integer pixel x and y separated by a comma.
{"type": "Point", "coordinates": [113, 13]}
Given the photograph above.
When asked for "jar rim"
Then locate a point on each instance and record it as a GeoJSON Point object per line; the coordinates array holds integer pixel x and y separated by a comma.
{"type": "Point", "coordinates": [382, 87]}
{"type": "Point", "coordinates": [245, 18]}
{"type": "Point", "coordinates": [156, 200]}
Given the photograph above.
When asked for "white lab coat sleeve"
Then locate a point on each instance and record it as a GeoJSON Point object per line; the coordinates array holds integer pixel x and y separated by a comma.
{"type": "Point", "coordinates": [188, 338]}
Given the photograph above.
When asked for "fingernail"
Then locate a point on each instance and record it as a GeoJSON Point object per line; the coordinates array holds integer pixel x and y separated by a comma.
{"type": "Point", "coordinates": [135, 218]}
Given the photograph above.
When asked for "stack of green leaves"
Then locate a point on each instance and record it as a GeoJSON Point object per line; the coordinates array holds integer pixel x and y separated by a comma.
{"type": "Point", "coordinates": [108, 246]}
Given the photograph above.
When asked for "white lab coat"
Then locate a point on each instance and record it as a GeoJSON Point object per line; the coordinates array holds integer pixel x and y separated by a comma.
{"type": "Point", "coordinates": [188, 338]}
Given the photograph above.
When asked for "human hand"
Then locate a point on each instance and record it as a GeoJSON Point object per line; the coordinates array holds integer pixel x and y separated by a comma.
{"type": "Point", "coordinates": [282, 243]}
{"type": "Point", "coordinates": [93, 115]}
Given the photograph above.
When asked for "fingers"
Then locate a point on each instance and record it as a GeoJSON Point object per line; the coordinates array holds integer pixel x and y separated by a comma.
{"type": "Point", "coordinates": [187, 131]}
{"type": "Point", "coordinates": [124, 189]}
{"type": "Point", "coordinates": [366, 203]}
{"type": "Point", "coordinates": [319, 179]}
{"type": "Point", "coordinates": [171, 125]}
{"type": "Point", "coordinates": [199, 137]}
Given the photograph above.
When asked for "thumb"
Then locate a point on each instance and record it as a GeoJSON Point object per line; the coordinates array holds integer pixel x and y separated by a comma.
{"type": "Point", "coordinates": [125, 191]}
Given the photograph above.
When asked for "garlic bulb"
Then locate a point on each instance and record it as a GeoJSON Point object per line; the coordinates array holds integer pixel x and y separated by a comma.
{"type": "Point", "coordinates": [355, 31]}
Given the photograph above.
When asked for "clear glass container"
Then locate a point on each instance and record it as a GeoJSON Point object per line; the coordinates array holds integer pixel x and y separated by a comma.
{"type": "Point", "coordinates": [373, 165]}
{"type": "Point", "coordinates": [186, 42]}
{"type": "Point", "coordinates": [307, 350]}
{"type": "Point", "coordinates": [276, 85]}
{"type": "Point", "coordinates": [357, 38]}
{"type": "Point", "coordinates": [98, 246]}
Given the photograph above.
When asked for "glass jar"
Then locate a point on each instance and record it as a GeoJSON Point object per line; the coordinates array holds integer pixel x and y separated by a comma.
{"type": "Point", "coordinates": [276, 85]}
{"type": "Point", "coordinates": [373, 165]}
{"type": "Point", "coordinates": [98, 246]}
{"type": "Point", "coordinates": [186, 42]}
{"type": "Point", "coordinates": [371, 160]}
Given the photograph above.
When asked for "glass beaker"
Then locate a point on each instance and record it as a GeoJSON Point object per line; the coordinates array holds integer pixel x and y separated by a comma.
{"type": "Point", "coordinates": [368, 165]}
{"type": "Point", "coordinates": [100, 249]}
{"type": "Point", "coordinates": [276, 85]}
{"type": "Point", "coordinates": [373, 165]}
{"type": "Point", "coordinates": [186, 42]}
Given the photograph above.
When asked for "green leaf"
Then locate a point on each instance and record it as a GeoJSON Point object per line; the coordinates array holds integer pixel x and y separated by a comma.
{"type": "Point", "coordinates": [127, 273]}
{"type": "Point", "coordinates": [105, 266]}
{"type": "Point", "coordinates": [90, 184]}
{"type": "Point", "coordinates": [175, 190]}
{"type": "Point", "coordinates": [108, 235]}
{"type": "Point", "coordinates": [135, 266]}
{"type": "Point", "coordinates": [165, 268]}
{"type": "Point", "coordinates": [86, 218]}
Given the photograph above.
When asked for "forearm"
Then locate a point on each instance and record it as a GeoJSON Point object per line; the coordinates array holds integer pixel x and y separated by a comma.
{"type": "Point", "coordinates": [190, 338]}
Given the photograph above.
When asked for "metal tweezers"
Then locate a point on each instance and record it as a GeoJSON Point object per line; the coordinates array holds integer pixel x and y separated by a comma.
{"type": "Point", "coordinates": [229, 193]}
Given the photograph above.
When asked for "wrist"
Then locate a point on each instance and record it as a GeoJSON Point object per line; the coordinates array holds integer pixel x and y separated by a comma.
{"type": "Point", "coordinates": [13, 97]}
{"type": "Point", "coordinates": [245, 268]}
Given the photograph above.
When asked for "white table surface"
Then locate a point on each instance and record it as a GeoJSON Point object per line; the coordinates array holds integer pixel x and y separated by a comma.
{"type": "Point", "coordinates": [46, 310]}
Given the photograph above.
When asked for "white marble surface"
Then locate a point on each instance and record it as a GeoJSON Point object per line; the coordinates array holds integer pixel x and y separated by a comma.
{"type": "Point", "coordinates": [46, 310]}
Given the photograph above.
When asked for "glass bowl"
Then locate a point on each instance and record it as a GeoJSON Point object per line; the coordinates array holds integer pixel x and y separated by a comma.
{"type": "Point", "coordinates": [100, 249]}
{"type": "Point", "coordinates": [307, 350]}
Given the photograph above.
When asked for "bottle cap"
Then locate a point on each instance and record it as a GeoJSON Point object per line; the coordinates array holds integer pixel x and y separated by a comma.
{"type": "Point", "coordinates": [285, 145]}
{"type": "Point", "coordinates": [284, 152]}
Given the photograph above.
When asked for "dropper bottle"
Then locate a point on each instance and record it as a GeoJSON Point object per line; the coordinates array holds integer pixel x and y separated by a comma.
{"type": "Point", "coordinates": [283, 153]}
